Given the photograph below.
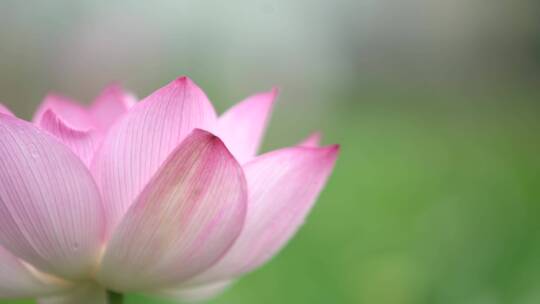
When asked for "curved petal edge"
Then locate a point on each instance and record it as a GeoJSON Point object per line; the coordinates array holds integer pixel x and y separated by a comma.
{"type": "Point", "coordinates": [138, 144]}
{"type": "Point", "coordinates": [186, 218]}
{"type": "Point", "coordinates": [242, 126]}
{"type": "Point", "coordinates": [50, 209]}
{"type": "Point", "coordinates": [283, 185]}
{"type": "Point", "coordinates": [83, 143]}
{"type": "Point", "coordinates": [4, 110]}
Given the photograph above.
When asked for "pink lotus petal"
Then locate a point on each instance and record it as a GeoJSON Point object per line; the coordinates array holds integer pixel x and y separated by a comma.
{"type": "Point", "coordinates": [110, 105]}
{"type": "Point", "coordinates": [84, 294]}
{"type": "Point", "coordinates": [18, 281]}
{"type": "Point", "coordinates": [72, 112]}
{"type": "Point", "coordinates": [4, 110]}
{"type": "Point", "coordinates": [312, 141]}
{"type": "Point", "coordinates": [82, 143]}
{"type": "Point", "coordinates": [242, 127]}
{"type": "Point", "coordinates": [196, 294]}
{"type": "Point", "coordinates": [282, 185]}
{"type": "Point", "coordinates": [138, 144]}
{"type": "Point", "coordinates": [186, 218]}
{"type": "Point", "coordinates": [50, 211]}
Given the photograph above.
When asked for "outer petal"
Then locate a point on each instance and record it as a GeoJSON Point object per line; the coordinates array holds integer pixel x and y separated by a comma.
{"type": "Point", "coordinates": [196, 294]}
{"type": "Point", "coordinates": [137, 145]}
{"type": "Point", "coordinates": [82, 143]}
{"type": "Point", "coordinates": [242, 127]}
{"type": "Point", "coordinates": [5, 110]}
{"type": "Point", "coordinates": [50, 211]}
{"type": "Point", "coordinates": [283, 185]}
{"type": "Point", "coordinates": [18, 281]}
{"type": "Point", "coordinates": [110, 105]}
{"type": "Point", "coordinates": [312, 141]}
{"type": "Point", "coordinates": [73, 113]}
{"type": "Point", "coordinates": [187, 217]}
{"type": "Point", "coordinates": [85, 294]}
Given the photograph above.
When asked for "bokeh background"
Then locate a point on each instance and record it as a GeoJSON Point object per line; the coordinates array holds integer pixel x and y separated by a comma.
{"type": "Point", "coordinates": [436, 195]}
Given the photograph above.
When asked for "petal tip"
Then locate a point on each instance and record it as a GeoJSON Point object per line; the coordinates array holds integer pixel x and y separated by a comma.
{"type": "Point", "coordinates": [201, 132]}
{"type": "Point", "coordinates": [183, 80]}
{"type": "Point", "coordinates": [214, 141]}
{"type": "Point", "coordinates": [114, 90]}
{"type": "Point", "coordinates": [275, 91]}
{"type": "Point", "coordinates": [114, 87]}
{"type": "Point", "coordinates": [266, 98]}
{"type": "Point", "coordinates": [51, 117]}
{"type": "Point", "coordinates": [333, 150]}
{"type": "Point", "coordinates": [48, 115]}
{"type": "Point", "coordinates": [335, 147]}
{"type": "Point", "coordinates": [4, 110]}
{"type": "Point", "coordinates": [210, 137]}
{"type": "Point", "coordinates": [329, 153]}
{"type": "Point", "coordinates": [52, 95]}
{"type": "Point", "coordinates": [312, 141]}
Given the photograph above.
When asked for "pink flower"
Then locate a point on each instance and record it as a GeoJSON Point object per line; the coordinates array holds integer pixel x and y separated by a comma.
{"type": "Point", "coordinates": [159, 196]}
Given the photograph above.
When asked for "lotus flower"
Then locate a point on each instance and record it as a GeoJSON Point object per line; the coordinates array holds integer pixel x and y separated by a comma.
{"type": "Point", "coordinates": [159, 196]}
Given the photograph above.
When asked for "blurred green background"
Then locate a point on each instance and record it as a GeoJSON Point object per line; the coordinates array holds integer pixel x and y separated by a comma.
{"type": "Point", "coordinates": [436, 194]}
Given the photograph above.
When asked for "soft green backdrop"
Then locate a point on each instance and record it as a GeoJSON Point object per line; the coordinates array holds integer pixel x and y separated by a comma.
{"type": "Point", "coordinates": [436, 193]}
